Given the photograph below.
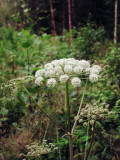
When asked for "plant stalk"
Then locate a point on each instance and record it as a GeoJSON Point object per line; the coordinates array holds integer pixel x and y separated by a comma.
{"type": "Point", "coordinates": [80, 107]}
{"type": "Point", "coordinates": [69, 120]}
{"type": "Point", "coordinates": [87, 138]}
{"type": "Point", "coordinates": [91, 142]}
{"type": "Point", "coordinates": [28, 60]}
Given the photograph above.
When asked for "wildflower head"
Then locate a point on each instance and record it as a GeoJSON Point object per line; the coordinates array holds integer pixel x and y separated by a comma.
{"type": "Point", "coordinates": [67, 69]}
{"type": "Point", "coordinates": [92, 112]}
{"type": "Point", "coordinates": [36, 150]}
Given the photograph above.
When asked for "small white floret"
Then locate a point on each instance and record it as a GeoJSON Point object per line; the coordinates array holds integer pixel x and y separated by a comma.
{"type": "Point", "coordinates": [39, 81]}
{"type": "Point", "coordinates": [58, 69]}
{"type": "Point", "coordinates": [49, 73]}
{"type": "Point", "coordinates": [68, 69]}
{"type": "Point", "coordinates": [87, 70]}
{"type": "Point", "coordinates": [85, 64]}
{"type": "Point", "coordinates": [78, 69]}
{"type": "Point", "coordinates": [94, 71]}
{"type": "Point", "coordinates": [48, 65]}
{"type": "Point", "coordinates": [39, 73]}
{"type": "Point", "coordinates": [76, 82]}
{"type": "Point", "coordinates": [51, 82]}
{"type": "Point", "coordinates": [49, 68]}
{"type": "Point", "coordinates": [64, 78]}
{"type": "Point", "coordinates": [97, 67]}
{"type": "Point", "coordinates": [93, 77]}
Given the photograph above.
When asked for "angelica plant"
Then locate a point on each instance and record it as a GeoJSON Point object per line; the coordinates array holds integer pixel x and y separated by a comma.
{"type": "Point", "coordinates": [36, 150]}
{"type": "Point", "coordinates": [88, 117]}
{"type": "Point", "coordinates": [68, 71]}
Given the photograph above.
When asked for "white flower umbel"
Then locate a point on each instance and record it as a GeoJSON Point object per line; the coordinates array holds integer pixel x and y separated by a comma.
{"type": "Point", "coordinates": [47, 65]}
{"type": "Point", "coordinates": [49, 73]}
{"type": "Point", "coordinates": [39, 81]}
{"type": "Point", "coordinates": [94, 71]}
{"type": "Point", "coordinates": [51, 82]}
{"type": "Point", "coordinates": [93, 78]}
{"type": "Point", "coordinates": [84, 64]}
{"type": "Point", "coordinates": [78, 70]}
{"type": "Point", "coordinates": [76, 82]}
{"type": "Point", "coordinates": [39, 73]}
{"type": "Point", "coordinates": [64, 78]}
{"type": "Point", "coordinates": [88, 70]}
{"type": "Point", "coordinates": [97, 67]}
{"type": "Point", "coordinates": [68, 69]}
{"type": "Point", "coordinates": [65, 69]}
{"type": "Point", "coordinates": [58, 69]}
{"type": "Point", "coordinates": [49, 68]}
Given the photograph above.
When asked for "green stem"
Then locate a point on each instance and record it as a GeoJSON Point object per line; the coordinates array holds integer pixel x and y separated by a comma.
{"type": "Point", "coordinates": [46, 130]}
{"type": "Point", "coordinates": [59, 149]}
{"type": "Point", "coordinates": [91, 142]}
{"type": "Point", "coordinates": [13, 64]}
{"type": "Point", "coordinates": [80, 107]}
{"type": "Point", "coordinates": [69, 120]}
{"type": "Point", "coordinates": [28, 60]}
{"type": "Point", "coordinates": [87, 138]}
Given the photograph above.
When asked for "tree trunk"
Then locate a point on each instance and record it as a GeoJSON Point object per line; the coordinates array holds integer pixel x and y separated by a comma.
{"type": "Point", "coordinates": [115, 24]}
{"type": "Point", "coordinates": [52, 17]}
{"type": "Point", "coordinates": [72, 6]}
{"type": "Point", "coordinates": [27, 12]}
{"type": "Point", "coordinates": [69, 15]}
{"type": "Point", "coordinates": [63, 16]}
{"type": "Point", "coordinates": [16, 10]}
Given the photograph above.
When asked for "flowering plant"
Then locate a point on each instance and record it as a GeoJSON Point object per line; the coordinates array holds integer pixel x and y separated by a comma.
{"type": "Point", "coordinates": [65, 71]}
{"type": "Point", "coordinates": [36, 150]}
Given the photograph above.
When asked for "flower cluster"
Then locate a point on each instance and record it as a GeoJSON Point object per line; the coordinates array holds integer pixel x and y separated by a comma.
{"type": "Point", "coordinates": [36, 150]}
{"type": "Point", "coordinates": [14, 83]}
{"type": "Point", "coordinates": [67, 69]}
{"type": "Point", "coordinates": [91, 113]}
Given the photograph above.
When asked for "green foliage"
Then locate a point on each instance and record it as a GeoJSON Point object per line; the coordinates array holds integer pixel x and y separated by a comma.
{"type": "Point", "coordinates": [22, 53]}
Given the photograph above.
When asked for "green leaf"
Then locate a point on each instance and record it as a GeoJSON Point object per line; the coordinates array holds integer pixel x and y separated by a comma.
{"type": "Point", "coordinates": [26, 44]}
{"type": "Point", "coordinates": [8, 51]}
{"type": "Point", "coordinates": [23, 6]}
{"type": "Point", "coordinates": [37, 41]}
{"type": "Point", "coordinates": [4, 111]}
{"type": "Point", "coordinates": [20, 34]}
{"type": "Point", "coordinates": [17, 19]}
{"type": "Point", "coordinates": [24, 32]}
{"type": "Point", "coordinates": [26, 10]}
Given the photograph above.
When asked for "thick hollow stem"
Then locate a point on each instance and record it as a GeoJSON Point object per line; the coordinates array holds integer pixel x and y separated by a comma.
{"type": "Point", "coordinates": [69, 120]}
